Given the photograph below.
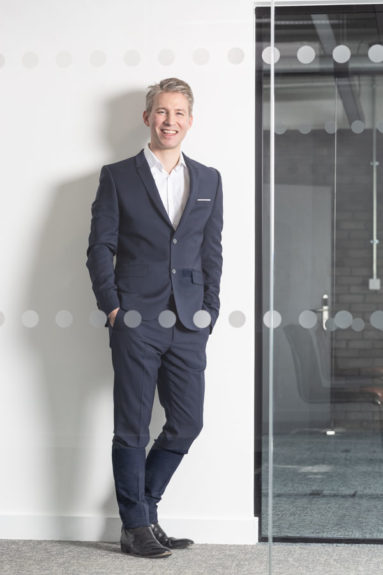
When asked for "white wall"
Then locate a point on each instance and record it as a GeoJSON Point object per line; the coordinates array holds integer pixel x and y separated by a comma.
{"type": "Point", "coordinates": [59, 124]}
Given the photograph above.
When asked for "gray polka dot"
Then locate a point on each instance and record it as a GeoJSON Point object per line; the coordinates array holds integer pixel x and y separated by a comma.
{"type": "Point", "coordinates": [341, 54]}
{"type": "Point", "coordinates": [272, 320]}
{"type": "Point", "coordinates": [201, 56]}
{"type": "Point", "coordinates": [308, 319]}
{"type": "Point", "coordinates": [167, 318]}
{"type": "Point", "coordinates": [280, 129]}
{"type": "Point", "coordinates": [343, 319]}
{"type": "Point", "coordinates": [330, 127]}
{"type": "Point", "coordinates": [97, 58]}
{"type": "Point", "coordinates": [63, 59]}
{"type": "Point", "coordinates": [266, 55]}
{"type": "Point", "coordinates": [30, 318]}
{"type": "Point", "coordinates": [97, 318]}
{"type": "Point", "coordinates": [202, 318]}
{"type": "Point", "coordinates": [2, 61]}
{"type": "Point", "coordinates": [376, 319]}
{"type": "Point", "coordinates": [236, 55]}
{"type": "Point", "coordinates": [132, 58]}
{"type": "Point", "coordinates": [358, 324]}
{"type": "Point", "coordinates": [30, 60]}
{"type": "Point", "coordinates": [357, 126]}
{"type": "Point", "coordinates": [330, 324]}
{"type": "Point", "coordinates": [132, 318]}
{"type": "Point", "coordinates": [2, 318]}
{"type": "Point", "coordinates": [166, 57]}
{"type": "Point", "coordinates": [375, 53]}
{"type": "Point", "coordinates": [64, 318]}
{"type": "Point", "coordinates": [305, 129]}
{"type": "Point", "coordinates": [306, 54]}
{"type": "Point", "coordinates": [237, 319]}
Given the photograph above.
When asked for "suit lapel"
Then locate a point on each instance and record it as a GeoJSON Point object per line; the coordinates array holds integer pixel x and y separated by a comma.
{"type": "Point", "coordinates": [150, 185]}
{"type": "Point", "coordinates": [193, 175]}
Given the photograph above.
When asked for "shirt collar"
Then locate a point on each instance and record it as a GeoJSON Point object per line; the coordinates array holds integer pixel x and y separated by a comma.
{"type": "Point", "coordinates": [154, 162]}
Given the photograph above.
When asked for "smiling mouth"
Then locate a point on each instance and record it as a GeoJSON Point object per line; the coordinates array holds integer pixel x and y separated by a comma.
{"type": "Point", "coordinates": [169, 132]}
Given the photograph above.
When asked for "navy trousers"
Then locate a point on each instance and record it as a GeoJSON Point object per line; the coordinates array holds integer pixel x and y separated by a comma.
{"type": "Point", "coordinates": [173, 359]}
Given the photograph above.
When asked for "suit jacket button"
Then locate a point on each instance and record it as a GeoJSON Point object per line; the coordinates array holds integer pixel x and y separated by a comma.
{"type": "Point", "coordinates": [175, 240]}
{"type": "Point", "coordinates": [174, 271]}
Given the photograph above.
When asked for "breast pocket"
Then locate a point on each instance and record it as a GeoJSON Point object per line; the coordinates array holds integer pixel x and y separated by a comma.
{"type": "Point", "coordinates": [197, 277]}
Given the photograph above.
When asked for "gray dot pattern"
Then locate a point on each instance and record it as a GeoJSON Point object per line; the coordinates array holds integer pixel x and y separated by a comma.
{"type": "Point", "coordinates": [201, 56]}
{"type": "Point", "coordinates": [237, 319]}
{"type": "Point", "coordinates": [167, 318]}
{"type": "Point", "coordinates": [343, 319]}
{"type": "Point", "coordinates": [166, 57]}
{"type": "Point", "coordinates": [305, 129]}
{"type": "Point", "coordinates": [97, 318]}
{"type": "Point", "coordinates": [330, 127]}
{"type": "Point", "coordinates": [63, 59]}
{"type": "Point", "coordinates": [308, 319]}
{"type": "Point", "coordinates": [375, 53]}
{"type": "Point", "coordinates": [357, 126]}
{"type": "Point", "coordinates": [272, 319]}
{"type": "Point", "coordinates": [30, 60]}
{"type": "Point", "coordinates": [341, 54]}
{"type": "Point", "coordinates": [268, 53]}
{"type": "Point", "coordinates": [132, 58]}
{"type": "Point", "coordinates": [97, 58]}
{"type": "Point", "coordinates": [30, 318]}
{"type": "Point", "coordinates": [358, 324]}
{"type": "Point", "coordinates": [132, 318]}
{"type": "Point", "coordinates": [330, 324]}
{"type": "Point", "coordinates": [202, 318]}
{"type": "Point", "coordinates": [64, 318]}
{"type": "Point", "coordinates": [236, 55]}
{"type": "Point", "coordinates": [306, 54]}
{"type": "Point", "coordinates": [376, 319]}
{"type": "Point", "coordinates": [280, 129]}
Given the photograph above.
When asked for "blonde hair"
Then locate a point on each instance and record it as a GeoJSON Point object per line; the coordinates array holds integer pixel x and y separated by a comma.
{"type": "Point", "coordinates": [169, 85]}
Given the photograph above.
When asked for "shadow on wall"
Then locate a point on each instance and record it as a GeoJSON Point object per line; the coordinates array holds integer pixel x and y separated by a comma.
{"type": "Point", "coordinates": [76, 372]}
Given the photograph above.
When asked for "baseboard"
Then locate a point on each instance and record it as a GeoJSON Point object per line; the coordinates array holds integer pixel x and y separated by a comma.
{"type": "Point", "coordinates": [232, 531]}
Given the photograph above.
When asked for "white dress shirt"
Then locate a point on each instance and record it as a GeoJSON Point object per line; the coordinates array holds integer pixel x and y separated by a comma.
{"type": "Point", "coordinates": [173, 188]}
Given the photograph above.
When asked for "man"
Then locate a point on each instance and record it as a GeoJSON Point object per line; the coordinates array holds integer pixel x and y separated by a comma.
{"type": "Point", "coordinates": [160, 214]}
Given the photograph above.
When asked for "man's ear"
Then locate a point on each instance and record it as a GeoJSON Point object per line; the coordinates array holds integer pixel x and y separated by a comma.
{"type": "Point", "coordinates": [145, 117]}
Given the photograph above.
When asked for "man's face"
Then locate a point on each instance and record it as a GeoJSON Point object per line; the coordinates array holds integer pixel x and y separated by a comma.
{"type": "Point", "coordinates": [169, 120]}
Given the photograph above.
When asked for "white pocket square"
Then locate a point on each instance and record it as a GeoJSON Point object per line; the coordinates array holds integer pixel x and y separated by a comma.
{"type": "Point", "coordinates": [203, 199]}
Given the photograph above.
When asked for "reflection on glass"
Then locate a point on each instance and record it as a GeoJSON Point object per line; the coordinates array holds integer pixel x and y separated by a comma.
{"type": "Point", "coordinates": [328, 340]}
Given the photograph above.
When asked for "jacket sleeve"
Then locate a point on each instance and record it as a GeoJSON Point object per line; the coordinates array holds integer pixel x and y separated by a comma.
{"type": "Point", "coordinates": [212, 256]}
{"type": "Point", "coordinates": [103, 242]}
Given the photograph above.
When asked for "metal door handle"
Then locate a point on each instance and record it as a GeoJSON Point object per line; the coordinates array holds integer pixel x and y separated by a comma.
{"type": "Point", "coordinates": [324, 311]}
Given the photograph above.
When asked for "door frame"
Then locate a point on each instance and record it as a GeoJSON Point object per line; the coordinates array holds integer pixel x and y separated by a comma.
{"type": "Point", "coordinates": [262, 12]}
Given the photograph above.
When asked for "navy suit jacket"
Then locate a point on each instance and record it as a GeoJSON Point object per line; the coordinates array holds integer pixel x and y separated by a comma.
{"type": "Point", "coordinates": [135, 257]}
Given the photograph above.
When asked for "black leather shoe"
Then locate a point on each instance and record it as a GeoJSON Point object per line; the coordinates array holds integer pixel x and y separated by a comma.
{"type": "Point", "coordinates": [140, 542]}
{"type": "Point", "coordinates": [169, 542]}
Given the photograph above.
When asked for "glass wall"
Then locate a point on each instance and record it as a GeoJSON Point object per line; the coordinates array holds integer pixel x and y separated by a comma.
{"type": "Point", "coordinates": [323, 296]}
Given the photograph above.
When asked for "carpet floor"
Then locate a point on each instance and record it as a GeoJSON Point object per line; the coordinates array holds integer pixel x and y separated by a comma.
{"type": "Point", "coordinates": [86, 558]}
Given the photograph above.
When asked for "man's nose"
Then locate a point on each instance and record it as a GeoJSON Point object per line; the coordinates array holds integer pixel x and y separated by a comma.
{"type": "Point", "coordinates": [170, 118]}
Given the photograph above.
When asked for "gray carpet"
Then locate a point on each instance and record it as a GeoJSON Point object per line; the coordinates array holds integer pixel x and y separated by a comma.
{"type": "Point", "coordinates": [327, 486]}
{"type": "Point", "coordinates": [81, 558]}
